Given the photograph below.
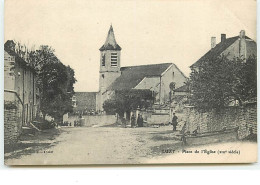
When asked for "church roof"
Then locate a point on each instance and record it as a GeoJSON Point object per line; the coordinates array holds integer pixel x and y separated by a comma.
{"type": "Point", "coordinates": [110, 43]}
{"type": "Point", "coordinates": [131, 76]}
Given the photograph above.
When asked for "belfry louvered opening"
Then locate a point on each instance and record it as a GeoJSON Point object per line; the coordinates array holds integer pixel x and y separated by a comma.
{"type": "Point", "coordinates": [114, 59]}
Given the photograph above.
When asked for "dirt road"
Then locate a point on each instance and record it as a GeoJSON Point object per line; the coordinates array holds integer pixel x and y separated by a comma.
{"type": "Point", "coordinates": [95, 145]}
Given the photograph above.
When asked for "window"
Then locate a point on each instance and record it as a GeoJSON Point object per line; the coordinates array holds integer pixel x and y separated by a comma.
{"type": "Point", "coordinates": [104, 60]}
{"type": "Point", "coordinates": [114, 59]}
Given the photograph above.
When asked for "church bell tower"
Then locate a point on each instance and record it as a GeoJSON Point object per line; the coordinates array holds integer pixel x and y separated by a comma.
{"type": "Point", "coordinates": [110, 55]}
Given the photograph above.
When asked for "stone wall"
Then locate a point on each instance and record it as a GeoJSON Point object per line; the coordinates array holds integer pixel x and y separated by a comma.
{"type": "Point", "coordinates": [99, 120]}
{"type": "Point", "coordinates": [12, 126]}
{"type": "Point", "coordinates": [154, 118]}
{"type": "Point", "coordinates": [91, 120]}
{"type": "Point", "coordinates": [243, 117]}
{"type": "Point", "coordinates": [158, 119]}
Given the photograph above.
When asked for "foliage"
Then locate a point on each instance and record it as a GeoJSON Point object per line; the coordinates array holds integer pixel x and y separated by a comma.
{"type": "Point", "coordinates": [219, 81]}
{"type": "Point", "coordinates": [54, 80]}
{"type": "Point", "coordinates": [43, 124]}
{"type": "Point", "coordinates": [56, 83]}
{"type": "Point", "coordinates": [247, 88]}
{"type": "Point", "coordinates": [127, 100]}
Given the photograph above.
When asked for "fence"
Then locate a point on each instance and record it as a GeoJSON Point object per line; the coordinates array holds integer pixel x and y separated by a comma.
{"type": "Point", "coordinates": [245, 117]}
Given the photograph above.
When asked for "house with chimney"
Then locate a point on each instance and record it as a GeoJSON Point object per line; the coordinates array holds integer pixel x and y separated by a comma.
{"type": "Point", "coordinates": [244, 117]}
{"type": "Point", "coordinates": [154, 77]}
{"type": "Point", "coordinates": [239, 46]}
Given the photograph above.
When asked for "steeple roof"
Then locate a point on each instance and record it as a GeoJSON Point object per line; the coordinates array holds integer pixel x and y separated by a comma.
{"type": "Point", "coordinates": [110, 43]}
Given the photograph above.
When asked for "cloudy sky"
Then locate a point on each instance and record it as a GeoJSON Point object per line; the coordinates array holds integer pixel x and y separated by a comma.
{"type": "Point", "coordinates": [149, 31]}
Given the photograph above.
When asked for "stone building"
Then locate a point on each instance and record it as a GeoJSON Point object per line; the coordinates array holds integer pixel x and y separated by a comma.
{"type": "Point", "coordinates": [84, 103]}
{"type": "Point", "coordinates": [112, 77]}
{"type": "Point", "coordinates": [20, 92]}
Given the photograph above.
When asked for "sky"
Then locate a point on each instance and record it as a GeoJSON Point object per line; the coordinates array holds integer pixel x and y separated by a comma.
{"type": "Point", "coordinates": [148, 31]}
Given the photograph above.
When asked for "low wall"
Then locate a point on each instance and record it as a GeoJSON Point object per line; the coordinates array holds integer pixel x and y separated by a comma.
{"type": "Point", "coordinates": [244, 117]}
{"type": "Point", "coordinates": [99, 120]}
{"type": "Point", "coordinates": [90, 120]}
{"type": "Point", "coordinates": [158, 119]}
{"type": "Point", "coordinates": [12, 126]}
{"type": "Point", "coordinates": [152, 118]}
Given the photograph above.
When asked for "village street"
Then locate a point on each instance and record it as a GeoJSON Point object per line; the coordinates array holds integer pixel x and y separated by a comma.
{"type": "Point", "coordinates": [94, 145]}
{"type": "Point", "coordinates": [117, 145]}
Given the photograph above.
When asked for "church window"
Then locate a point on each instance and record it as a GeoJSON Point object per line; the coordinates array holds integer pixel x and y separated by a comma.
{"type": "Point", "coordinates": [114, 59]}
{"type": "Point", "coordinates": [103, 76]}
{"type": "Point", "coordinates": [103, 60]}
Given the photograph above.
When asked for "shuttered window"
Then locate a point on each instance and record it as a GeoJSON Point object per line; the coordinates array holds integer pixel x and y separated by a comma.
{"type": "Point", "coordinates": [114, 59]}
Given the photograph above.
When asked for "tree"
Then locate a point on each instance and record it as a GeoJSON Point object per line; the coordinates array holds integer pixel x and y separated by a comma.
{"type": "Point", "coordinates": [54, 80]}
{"type": "Point", "coordinates": [57, 89]}
{"type": "Point", "coordinates": [127, 100]}
{"type": "Point", "coordinates": [219, 81]}
{"type": "Point", "coordinates": [247, 86]}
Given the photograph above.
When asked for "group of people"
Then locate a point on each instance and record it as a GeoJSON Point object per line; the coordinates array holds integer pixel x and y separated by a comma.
{"type": "Point", "coordinates": [140, 120]}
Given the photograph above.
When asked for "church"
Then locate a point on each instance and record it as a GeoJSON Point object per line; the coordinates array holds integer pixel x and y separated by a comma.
{"type": "Point", "coordinates": [155, 77]}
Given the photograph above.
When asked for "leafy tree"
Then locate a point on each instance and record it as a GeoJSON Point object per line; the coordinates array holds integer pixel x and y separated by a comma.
{"type": "Point", "coordinates": [127, 100]}
{"type": "Point", "coordinates": [54, 80]}
{"type": "Point", "coordinates": [247, 86]}
{"type": "Point", "coordinates": [218, 81]}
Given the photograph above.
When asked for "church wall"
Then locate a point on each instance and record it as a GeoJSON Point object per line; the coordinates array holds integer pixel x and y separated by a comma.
{"type": "Point", "coordinates": [106, 79]}
{"type": "Point", "coordinates": [149, 83]}
{"type": "Point", "coordinates": [107, 75]}
{"type": "Point", "coordinates": [171, 75]}
{"type": "Point", "coordinates": [152, 83]}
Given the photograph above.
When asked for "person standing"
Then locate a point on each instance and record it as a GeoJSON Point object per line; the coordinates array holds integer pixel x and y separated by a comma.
{"type": "Point", "coordinates": [174, 121]}
{"type": "Point", "coordinates": [133, 120]}
{"type": "Point", "coordinates": [140, 120]}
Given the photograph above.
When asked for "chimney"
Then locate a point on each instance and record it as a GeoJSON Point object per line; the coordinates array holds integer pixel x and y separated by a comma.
{"type": "Point", "coordinates": [242, 34]}
{"type": "Point", "coordinates": [223, 37]}
{"type": "Point", "coordinates": [213, 42]}
{"type": "Point", "coordinates": [242, 44]}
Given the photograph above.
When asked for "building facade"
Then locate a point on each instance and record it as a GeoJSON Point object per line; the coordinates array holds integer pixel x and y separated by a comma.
{"type": "Point", "coordinates": [20, 84]}
{"type": "Point", "coordinates": [84, 103]}
{"type": "Point", "coordinates": [113, 77]}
